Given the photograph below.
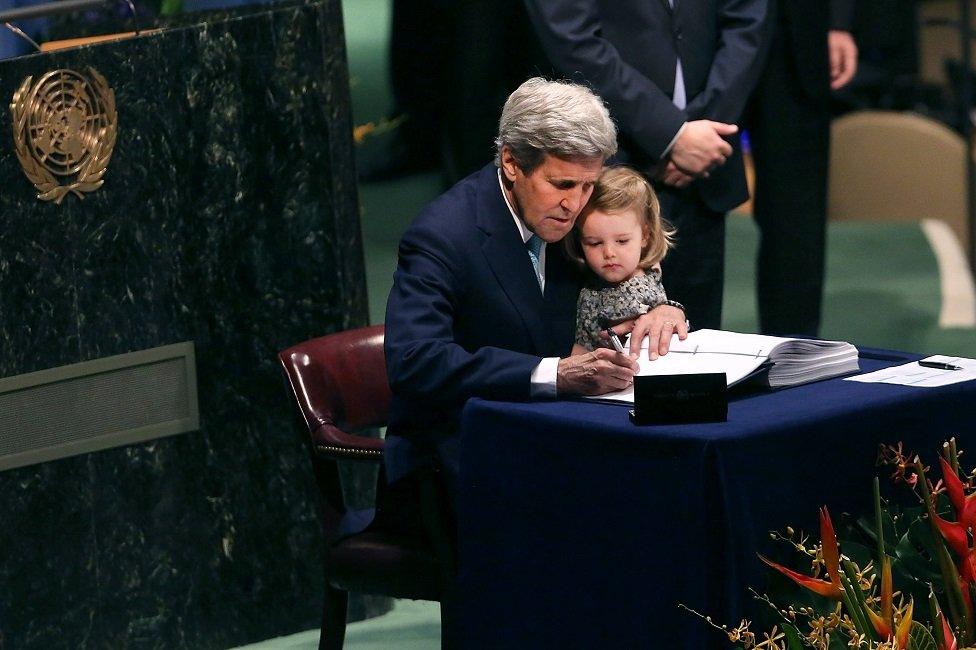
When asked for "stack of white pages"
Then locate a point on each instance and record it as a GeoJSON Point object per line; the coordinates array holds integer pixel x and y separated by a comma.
{"type": "Point", "coordinates": [772, 361]}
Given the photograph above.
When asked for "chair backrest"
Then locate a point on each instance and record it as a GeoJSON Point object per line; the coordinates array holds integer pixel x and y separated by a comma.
{"type": "Point", "coordinates": [893, 166]}
{"type": "Point", "coordinates": [339, 384]}
{"type": "Point", "coordinates": [340, 379]}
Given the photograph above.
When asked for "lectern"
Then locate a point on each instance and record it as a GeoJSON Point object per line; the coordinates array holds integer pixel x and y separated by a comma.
{"type": "Point", "coordinates": [197, 213]}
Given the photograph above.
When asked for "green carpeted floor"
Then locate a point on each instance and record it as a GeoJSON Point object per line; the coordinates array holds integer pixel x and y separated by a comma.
{"type": "Point", "coordinates": [412, 625]}
{"type": "Point", "coordinates": [882, 288]}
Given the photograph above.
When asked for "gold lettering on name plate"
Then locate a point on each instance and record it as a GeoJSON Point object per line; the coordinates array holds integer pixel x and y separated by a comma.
{"type": "Point", "coordinates": [64, 130]}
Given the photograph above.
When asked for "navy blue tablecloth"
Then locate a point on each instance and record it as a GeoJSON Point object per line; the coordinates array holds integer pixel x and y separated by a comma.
{"type": "Point", "coordinates": [578, 529]}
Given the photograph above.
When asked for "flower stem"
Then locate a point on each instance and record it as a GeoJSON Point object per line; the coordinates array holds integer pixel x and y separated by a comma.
{"type": "Point", "coordinates": [936, 614]}
{"type": "Point", "coordinates": [854, 600]}
{"type": "Point", "coordinates": [954, 451]}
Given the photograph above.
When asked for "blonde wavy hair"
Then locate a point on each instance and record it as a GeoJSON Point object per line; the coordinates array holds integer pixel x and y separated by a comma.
{"type": "Point", "coordinates": [617, 190]}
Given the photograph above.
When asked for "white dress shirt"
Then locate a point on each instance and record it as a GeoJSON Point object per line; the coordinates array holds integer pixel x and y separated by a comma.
{"type": "Point", "coordinates": [679, 98]}
{"type": "Point", "coordinates": [542, 383]}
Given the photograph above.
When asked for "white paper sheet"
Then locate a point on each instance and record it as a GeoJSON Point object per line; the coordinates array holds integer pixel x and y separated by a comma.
{"type": "Point", "coordinates": [912, 374]}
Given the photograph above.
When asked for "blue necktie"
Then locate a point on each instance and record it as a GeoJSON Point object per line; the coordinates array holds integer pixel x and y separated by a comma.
{"type": "Point", "coordinates": [534, 246]}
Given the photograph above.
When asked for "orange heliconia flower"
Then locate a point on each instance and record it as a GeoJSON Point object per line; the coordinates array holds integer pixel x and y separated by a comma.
{"type": "Point", "coordinates": [831, 556]}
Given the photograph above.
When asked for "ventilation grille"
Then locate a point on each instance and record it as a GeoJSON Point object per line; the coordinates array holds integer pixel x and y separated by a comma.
{"type": "Point", "coordinates": [98, 404]}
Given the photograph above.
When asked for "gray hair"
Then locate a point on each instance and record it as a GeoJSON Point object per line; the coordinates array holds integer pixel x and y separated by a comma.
{"type": "Point", "coordinates": [557, 118]}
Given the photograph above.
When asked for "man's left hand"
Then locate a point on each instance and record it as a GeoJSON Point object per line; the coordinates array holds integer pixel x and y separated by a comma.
{"type": "Point", "coordinates": [843, 57]}
{"type": "Point", "coordinates": [657, 326]}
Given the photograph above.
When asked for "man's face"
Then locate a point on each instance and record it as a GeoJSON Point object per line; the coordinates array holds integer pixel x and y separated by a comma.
{"type": "Point", "coordinates": [551, 197]}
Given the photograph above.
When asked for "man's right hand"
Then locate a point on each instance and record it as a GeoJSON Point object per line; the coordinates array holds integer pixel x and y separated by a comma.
{"type": "Point", "coordinates": [595, 373]}
{"type": "Point", "coordinates": [700, 147]}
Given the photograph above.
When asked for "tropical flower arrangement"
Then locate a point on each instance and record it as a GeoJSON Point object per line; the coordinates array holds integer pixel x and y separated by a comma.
{"type": "Point", "coordinates": [905, 580]}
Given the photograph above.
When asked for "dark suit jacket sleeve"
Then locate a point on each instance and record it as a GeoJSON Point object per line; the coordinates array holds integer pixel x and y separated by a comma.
{"type": "Point", "coordinates": [737, 63]}
{"type": "Point", "coordinates": [842, 15]}
{"type": "Point", "coordinates": [570, 33]}
{"type": "Point", "coordinates": [424, 359]}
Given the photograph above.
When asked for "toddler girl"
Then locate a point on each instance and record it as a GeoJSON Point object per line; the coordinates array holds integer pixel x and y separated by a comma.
{"type": "Point", "coordinates": [622, 238]}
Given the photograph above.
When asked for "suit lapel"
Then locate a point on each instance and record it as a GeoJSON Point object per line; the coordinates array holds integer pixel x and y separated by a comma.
{"type": "Point", "coordinates": [508, 259]}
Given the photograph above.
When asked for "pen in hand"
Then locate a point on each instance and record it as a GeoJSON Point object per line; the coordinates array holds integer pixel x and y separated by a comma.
{"type": "Point", "coordinates": [615, 340]}
{"type": "Point", "coordinates": [938, 365]}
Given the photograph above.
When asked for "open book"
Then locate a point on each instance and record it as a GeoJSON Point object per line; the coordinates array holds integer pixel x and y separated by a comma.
{"type": "Point", "coordinates": [772, 361]}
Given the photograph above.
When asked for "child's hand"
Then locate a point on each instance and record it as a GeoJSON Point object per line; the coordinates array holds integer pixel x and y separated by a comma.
{"type": "Point", "coordinates": [657, 326]}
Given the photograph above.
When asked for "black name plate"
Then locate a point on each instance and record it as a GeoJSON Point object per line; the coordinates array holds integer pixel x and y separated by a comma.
{"type": "Point", "coordinates": [679, 399]}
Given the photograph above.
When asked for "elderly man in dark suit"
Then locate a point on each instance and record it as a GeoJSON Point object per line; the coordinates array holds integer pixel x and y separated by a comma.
{"type": "Point", "coordinates": [676, 75]}
{"type": "Point", "coordinates": [483, 304]}
{"type": "Point", "coordinates": [812, 52]}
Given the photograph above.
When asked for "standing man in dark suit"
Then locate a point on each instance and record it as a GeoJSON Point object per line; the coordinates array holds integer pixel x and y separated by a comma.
{"type": "Point", "coordinates": [676, 74]}
{"type": "Point", "coordinates": [812, 52]}
{"type": "Point", "coordinates": [483, 305]}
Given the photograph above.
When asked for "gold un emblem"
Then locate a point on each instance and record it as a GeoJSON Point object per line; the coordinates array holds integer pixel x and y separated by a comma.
{"type": "Point", "coordinates": [64, 129]}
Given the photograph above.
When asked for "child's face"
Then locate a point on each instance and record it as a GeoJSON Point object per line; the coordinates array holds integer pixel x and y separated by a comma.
{"type": "Point", "coordinates": [612, 243]}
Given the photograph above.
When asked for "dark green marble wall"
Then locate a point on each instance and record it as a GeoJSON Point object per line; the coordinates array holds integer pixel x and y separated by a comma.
{"type": "Point", "coordinates": [229, 218]}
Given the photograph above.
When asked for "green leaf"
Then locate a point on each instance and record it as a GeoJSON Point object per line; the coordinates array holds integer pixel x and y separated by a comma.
{"type": "Point", "coordinates": [793, 638]}
{"type": "Point", "coordinates": [894, 523]}
{"type": "Point", "coordinates": [916, 554]}
{"type": "Point", "coordinates": [859, 553]}
{"type": "Point", "coordinates": [170, 7]}
{"type": "Point", "coordinates": [921, 638]}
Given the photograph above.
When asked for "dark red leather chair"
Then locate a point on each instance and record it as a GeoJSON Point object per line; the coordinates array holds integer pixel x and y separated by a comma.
{"type": "Point", "coordinates": [339, 384]}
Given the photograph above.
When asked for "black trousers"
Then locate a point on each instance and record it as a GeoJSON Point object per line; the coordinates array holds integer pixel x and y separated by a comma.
{"type": "Point", "coordinates": [790, 136]}
{"type": "Point", "coordinates": [693, 272]}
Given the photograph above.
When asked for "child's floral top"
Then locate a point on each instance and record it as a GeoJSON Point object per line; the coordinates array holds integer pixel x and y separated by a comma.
{"type": "Point", "coordinates": [601, 303]}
